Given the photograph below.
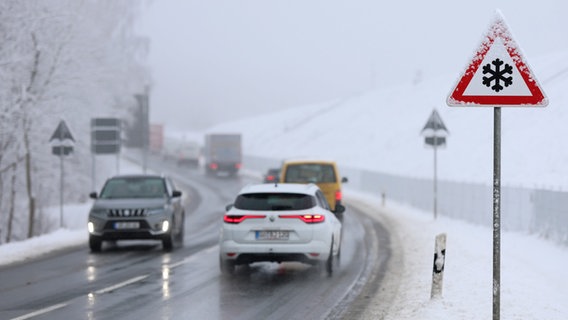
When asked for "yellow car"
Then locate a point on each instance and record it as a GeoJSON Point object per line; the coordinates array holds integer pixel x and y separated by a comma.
{"type": "Point", "coordinates": [323, 173]}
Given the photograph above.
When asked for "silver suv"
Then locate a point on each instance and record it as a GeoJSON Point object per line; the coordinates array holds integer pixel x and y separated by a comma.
{"type": "Point", "coordinates": [137, 207]}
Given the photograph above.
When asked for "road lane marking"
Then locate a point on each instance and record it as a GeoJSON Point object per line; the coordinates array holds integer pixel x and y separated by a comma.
{"type": "Point", "coordinates": [121, 284]}
{"type": "Point", "coordinates": [192, 257]}
{"type": "Point", "coordinates": [40, 312]}
{"type": "Point", "coordinates": [113, 287]}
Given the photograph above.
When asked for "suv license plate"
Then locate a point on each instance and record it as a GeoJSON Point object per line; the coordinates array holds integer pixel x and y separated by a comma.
{"type": "Point", "coordinates": [127, 225]}
{"type": "Point", "coordinates": [272, 235]}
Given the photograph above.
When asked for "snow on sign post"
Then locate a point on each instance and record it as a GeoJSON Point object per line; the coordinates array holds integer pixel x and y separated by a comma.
{"type": "Point", "coordinates": [497, 76]}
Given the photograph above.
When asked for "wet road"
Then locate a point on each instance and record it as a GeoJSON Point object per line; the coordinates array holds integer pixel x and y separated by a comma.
{"type": "Point", "coordinates": [137, 280]}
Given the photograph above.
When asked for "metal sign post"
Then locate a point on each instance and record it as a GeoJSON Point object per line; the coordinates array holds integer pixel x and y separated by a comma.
{"type": "Point", "coordinates": [496, 77]}
{"type": "Point", "coordinates": [62, 145]}
{"type": "Point", "coordinates": [435, 133]}
{"type": "Point", "coordinates": [143, 103]}
{"type": "Point", "coordinates": [496, 212]}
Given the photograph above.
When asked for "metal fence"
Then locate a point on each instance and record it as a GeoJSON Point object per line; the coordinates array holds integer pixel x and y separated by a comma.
{"type": "Point", "coordinates": [530, 211]}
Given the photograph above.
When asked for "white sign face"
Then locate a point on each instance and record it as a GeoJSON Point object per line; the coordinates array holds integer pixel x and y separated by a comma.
{"type": "Point", "coordinates": [498, 75]}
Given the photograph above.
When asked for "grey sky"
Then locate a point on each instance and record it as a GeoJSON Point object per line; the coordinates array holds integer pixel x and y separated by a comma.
{"type": "Point", "coordinates": [219, 60]}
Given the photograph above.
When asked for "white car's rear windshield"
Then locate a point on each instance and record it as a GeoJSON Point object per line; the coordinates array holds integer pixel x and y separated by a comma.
{"type": "Point", "coordinates": [274, 201]}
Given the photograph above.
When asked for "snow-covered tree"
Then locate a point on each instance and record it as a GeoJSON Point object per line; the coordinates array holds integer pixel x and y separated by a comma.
{"type": "Point", "coordinates": [66, 60]}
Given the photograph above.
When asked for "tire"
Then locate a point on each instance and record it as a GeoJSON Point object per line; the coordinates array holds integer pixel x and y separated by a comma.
{"type": "Point", "coordinates": [181, 234]}
{"type": "Point", "coordinates": [227, 266]}
{"type": "Point", "coordinates": [95, 243]}
{"type": "Point", "coordinates": [329, 263]}
{"type": "Point", "coordinates": [338, 257]}
{"type": "Point", "coordinates": [168, 242]}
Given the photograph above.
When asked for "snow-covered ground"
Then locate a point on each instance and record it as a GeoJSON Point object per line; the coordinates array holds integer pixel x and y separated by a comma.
{"type": "Point", "coordinates": [533, 281]}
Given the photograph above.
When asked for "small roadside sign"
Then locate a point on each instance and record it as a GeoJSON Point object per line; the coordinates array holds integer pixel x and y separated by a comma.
{"type": "Point", "coordinates": [434, 123]}
{"type": "Point", "coordinates": [106, 135]}
{"type": "Point", "coordinates": [498, 75]}
{"type": "Point", "coordinates": [61, 133]}
{"type": "Point", "coordinates": [62, 142]}
{"type": "Point", "coordinates": [435, 133]}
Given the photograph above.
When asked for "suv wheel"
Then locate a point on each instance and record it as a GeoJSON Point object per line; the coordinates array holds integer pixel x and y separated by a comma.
{"type": "Point", "coordinates": [168, 242]}
{"type": "Point", "coordinates": [95, 243]}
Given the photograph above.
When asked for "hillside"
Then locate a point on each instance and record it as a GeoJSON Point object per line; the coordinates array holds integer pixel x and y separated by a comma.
{"type": "Point", "coordinates": [380, 130]}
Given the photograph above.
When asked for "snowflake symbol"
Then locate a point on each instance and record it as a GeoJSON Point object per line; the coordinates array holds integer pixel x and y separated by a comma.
{"type": "Point", "coordinates": [497, 75]}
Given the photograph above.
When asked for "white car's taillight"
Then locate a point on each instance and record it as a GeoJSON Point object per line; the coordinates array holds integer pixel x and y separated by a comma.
{"type": "Point", "coordinates": [307, 218]}
{"type": "Point", "coordinates": [240, 218]}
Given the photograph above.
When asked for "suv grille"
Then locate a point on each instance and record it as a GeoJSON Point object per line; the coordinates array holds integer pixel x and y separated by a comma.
{"type": "Point", "coordinates": [127, 212]}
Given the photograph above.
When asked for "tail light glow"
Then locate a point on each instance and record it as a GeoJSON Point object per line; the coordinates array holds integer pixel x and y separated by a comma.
{"type": "Point", "coordinates": [213, 166]}
{"type": "Point", "coordinates": [338, 195]}
{"type": "Point", "coordinates": [307, 218]}
{"type": "Point", "coordinates": [238, 165]}
{"type": "Point", "coordinates": [240, 218]}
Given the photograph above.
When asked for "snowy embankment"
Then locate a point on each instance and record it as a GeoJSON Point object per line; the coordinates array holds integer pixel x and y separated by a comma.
{"type": "Point", "coordinates": [533, 282]}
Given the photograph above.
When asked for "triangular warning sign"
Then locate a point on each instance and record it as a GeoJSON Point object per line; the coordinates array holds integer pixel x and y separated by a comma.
{"type": "Point", "coordinates": [498, 75]}
{"type": "Point", "coordinates": [61, 133]}
{"type": "Point", "coordinates": [435, 123]}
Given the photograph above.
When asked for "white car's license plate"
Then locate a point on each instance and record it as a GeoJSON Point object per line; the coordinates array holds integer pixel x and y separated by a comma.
{"type": "Point", "coordinates": [272, 235]}
{"type": "Point", "coordinates": [127, 225]}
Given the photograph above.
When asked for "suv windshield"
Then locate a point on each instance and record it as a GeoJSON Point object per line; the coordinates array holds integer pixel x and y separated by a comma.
{"type": "Point", "coordinates": [310, 173]}
{"type": "Point", "coordinates": [133, 187]}
{"type": "Point", "coordinates": [274, 201]}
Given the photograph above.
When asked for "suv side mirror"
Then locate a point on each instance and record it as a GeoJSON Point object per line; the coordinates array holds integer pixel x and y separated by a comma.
{"type": "Point", "coordinates": [176, 194]}
{"type": "Point", "coordinates": [229, 207]}
{"type": "Point", "coordinates": [93, 195]}
{"type": "Point", "coordinates": [339, 209]}
{"type": "Point", "coordinates": [344, 180]}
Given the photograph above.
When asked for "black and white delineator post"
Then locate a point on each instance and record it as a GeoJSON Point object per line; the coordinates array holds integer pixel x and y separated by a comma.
{"type": "Point", "coordinates": [497, 76]}
{"type": "Point", "coordinates": [438, 268]}
{"type": "Point", "coordinates": [61, 145]}
{"type": "Point", "coordinates": [435, 133]}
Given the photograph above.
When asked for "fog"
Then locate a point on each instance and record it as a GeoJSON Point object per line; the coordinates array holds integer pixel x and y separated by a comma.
{"type": "Point", "coordinates": [213, 61]}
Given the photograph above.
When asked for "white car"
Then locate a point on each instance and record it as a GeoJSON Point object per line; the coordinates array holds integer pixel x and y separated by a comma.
{"type": "Point", "coordinates": [278, 223]}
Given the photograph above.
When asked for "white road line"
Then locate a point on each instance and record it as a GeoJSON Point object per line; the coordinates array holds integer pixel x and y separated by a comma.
{"type": "Point", "coordinates": [111, 288]}
{"type": "Point", "coordinates": [192, 257]}
{"type": "Point", "coordinates": [121, 284]}
{"type": "Point", "coordinates": [41, 311]}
